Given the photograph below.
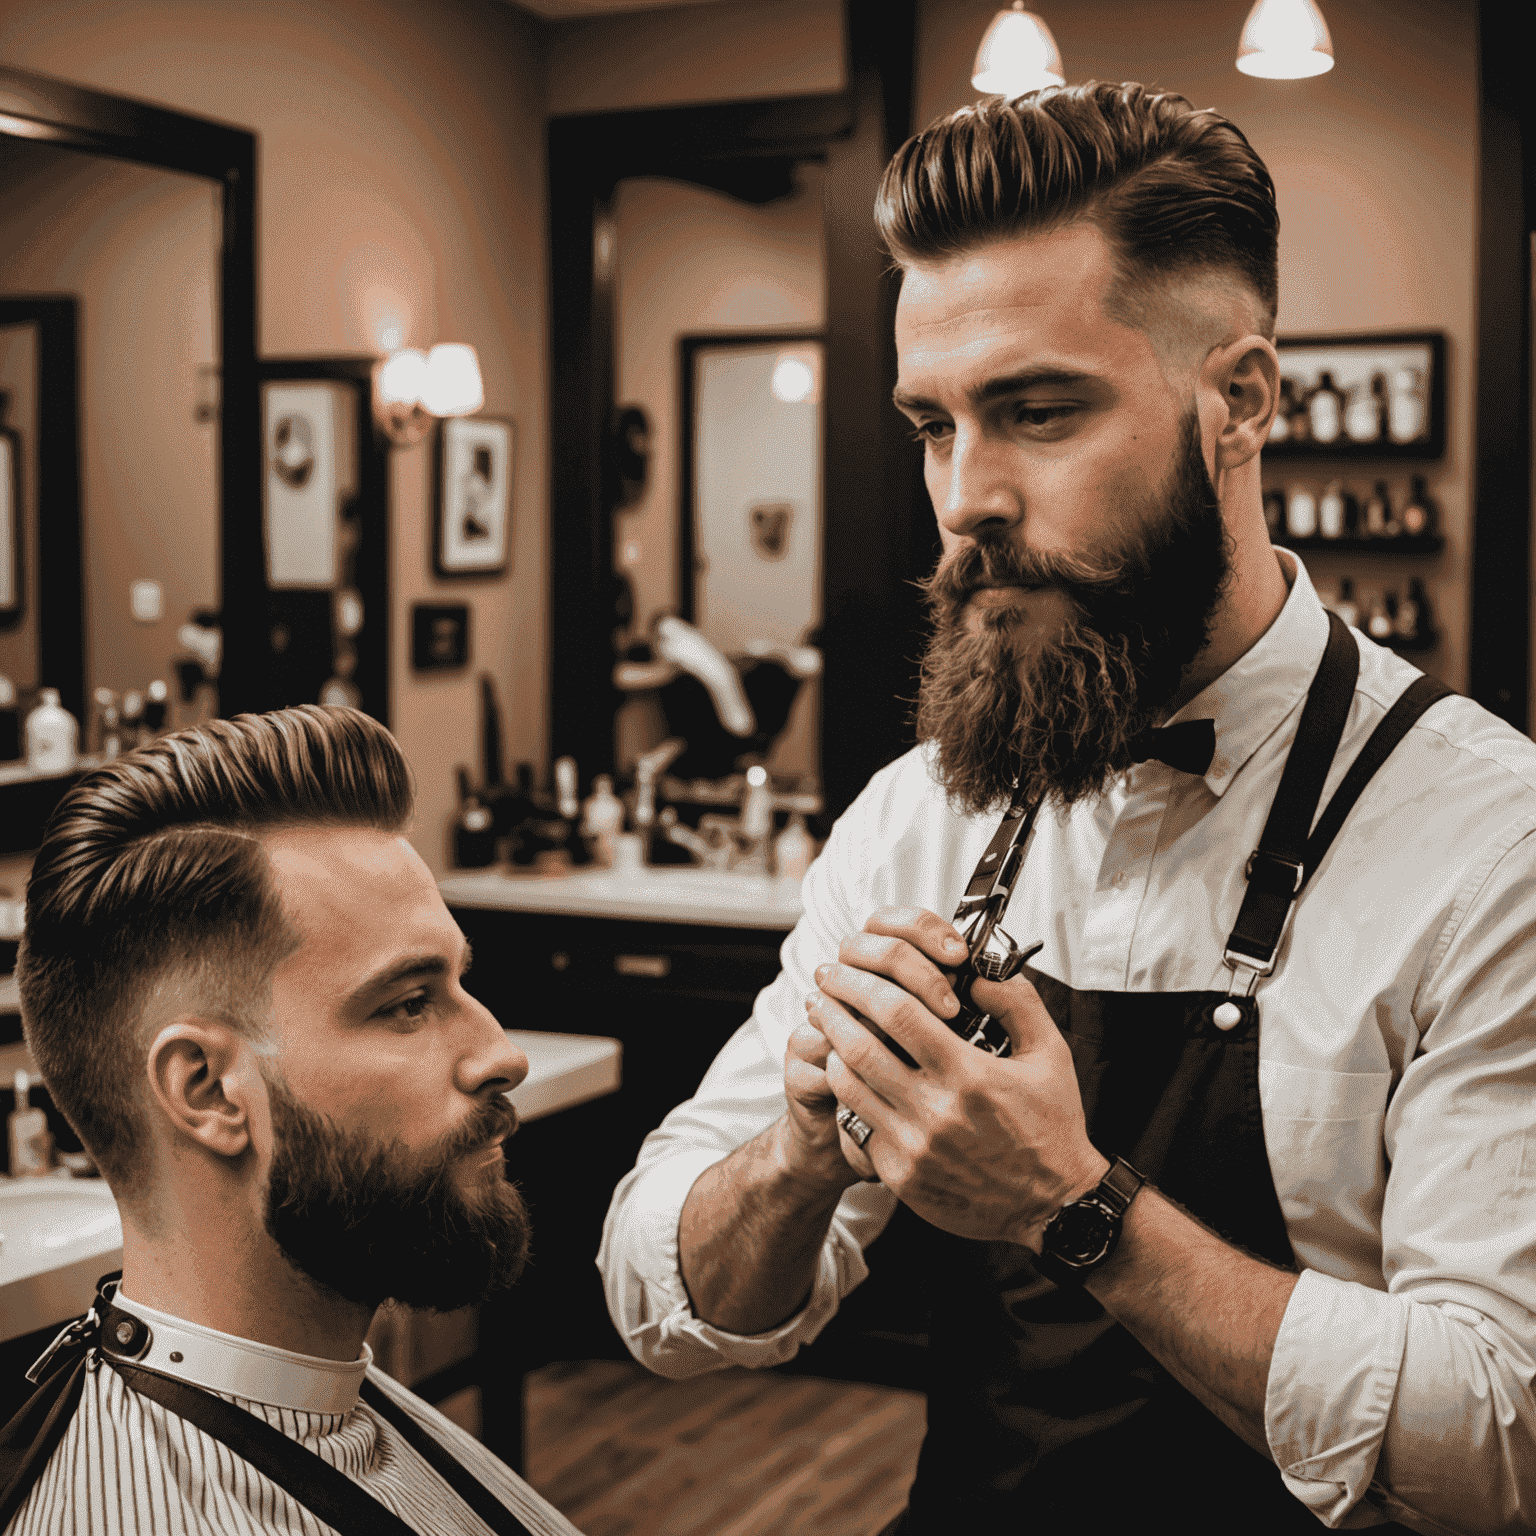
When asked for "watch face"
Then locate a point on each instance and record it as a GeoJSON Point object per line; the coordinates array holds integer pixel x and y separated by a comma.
{"type": "Point", "coordinates": [1080, 1233]}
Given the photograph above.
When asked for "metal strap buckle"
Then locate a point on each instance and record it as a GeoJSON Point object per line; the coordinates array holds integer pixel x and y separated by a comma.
{"type": "Point", "coordinates": [1276, 862]}
{"type": "Point", "coordinates": [1251, 970]}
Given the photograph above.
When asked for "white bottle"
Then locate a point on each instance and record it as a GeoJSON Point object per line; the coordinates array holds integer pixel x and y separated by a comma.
{"type": "Point", "coordinates": [31, 1142]}
{"type": "Point", "coordinates": [52, 735]}
{"type": "Point", "coordinates": [1300, 513]}
{"type": "Point", "coordinates": [1330, 511]}
{"type": "Point", "coordinates": [602, 819]}
{"type": "Point", "coordinates": [793, 849]}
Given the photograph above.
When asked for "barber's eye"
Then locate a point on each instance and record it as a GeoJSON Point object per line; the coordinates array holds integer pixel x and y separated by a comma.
{"type": "Point", "coordinates": [1041, 415]}
{"type": "Point", "coordinates": [408, 1008]}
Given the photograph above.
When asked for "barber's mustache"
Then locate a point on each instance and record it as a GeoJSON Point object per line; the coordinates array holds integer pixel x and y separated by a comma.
{"type": "Point", "coordinates": [997, 562]}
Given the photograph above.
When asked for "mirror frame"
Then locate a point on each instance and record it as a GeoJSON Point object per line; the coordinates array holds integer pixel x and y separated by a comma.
{"type": "Point", "coordinates": [58, 112]}
{"type": "Point", "coordinates": [877, 530]}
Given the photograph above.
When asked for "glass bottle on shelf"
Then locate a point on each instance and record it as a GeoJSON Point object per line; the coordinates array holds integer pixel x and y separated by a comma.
{"type": "Point", "coordinates": [1363, 414]}
{"type": "Point", "coordinates": [1325, 409]}
{"type": "Point", "coordinates": [1420, 515]}
{"type": "Point", "coordinates": [1378, 624]}
{"type": "Point", "coordinates": [1407, 413]}
{"type": "Point", "coordinates": [1414, 624]}
{"type": "Point", "coordinates": [1274, 512]}
{"type": "Point", "coordinates": [1300, 512]}
{"type": "Point", "coordinates": [1378, 511]}
{"type": "Point", "coordinates": [1346, 607]}
{"type": "Point", "coordinates": [1280, 427]}
{"type": "Point", "coordinates": [1330, 511]}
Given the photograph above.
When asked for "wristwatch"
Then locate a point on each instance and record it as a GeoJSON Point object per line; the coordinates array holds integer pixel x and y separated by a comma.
{"type": "Point", "coordinates": [1080, 1237]}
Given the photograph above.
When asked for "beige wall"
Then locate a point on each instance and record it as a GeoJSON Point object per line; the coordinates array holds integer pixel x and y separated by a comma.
{"type": "Point", "coordinates": [730, 51]}
{"type": "Point", "coordinates": [401, 164]}
{"type": "Point", "coordinates": [1375, 168]}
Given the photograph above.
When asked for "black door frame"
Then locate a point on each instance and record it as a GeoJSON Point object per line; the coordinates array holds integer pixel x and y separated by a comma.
{"type": "Point", "coordinates": [878, 533]}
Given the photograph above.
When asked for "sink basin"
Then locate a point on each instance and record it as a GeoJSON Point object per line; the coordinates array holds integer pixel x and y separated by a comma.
{"type": "Point", "coordinates": [57, 1238]}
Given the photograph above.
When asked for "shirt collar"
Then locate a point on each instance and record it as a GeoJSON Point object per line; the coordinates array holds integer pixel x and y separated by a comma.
{"type": "Point", "coordinates": [1254, 697]}
{"type": "Point", "coordinates": [259, 1373]}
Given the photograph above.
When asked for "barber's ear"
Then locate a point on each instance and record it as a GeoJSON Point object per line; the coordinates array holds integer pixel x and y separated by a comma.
{"type": "Point", "coordinates": [200, 1078]}
{"type": "Point", "coordinates": [1246, 374]}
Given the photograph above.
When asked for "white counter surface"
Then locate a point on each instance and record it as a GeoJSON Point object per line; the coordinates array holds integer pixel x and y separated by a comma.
{"type": "Point", "coordinates": [674, 894]}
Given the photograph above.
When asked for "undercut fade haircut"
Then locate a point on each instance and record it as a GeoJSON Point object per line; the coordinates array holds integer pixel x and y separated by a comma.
{"type": "Point", "coordinates": [151, 873]}
{"type": "Point", "coordinates": [1175, 190]}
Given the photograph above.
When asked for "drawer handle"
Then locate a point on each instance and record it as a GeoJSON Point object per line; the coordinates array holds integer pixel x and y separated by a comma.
{"type": "Point", "coordinates": [654, 966]}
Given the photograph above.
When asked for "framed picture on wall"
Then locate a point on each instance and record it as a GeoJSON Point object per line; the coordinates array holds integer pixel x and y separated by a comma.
{"type": "Point", "coordinates": [474, 495]}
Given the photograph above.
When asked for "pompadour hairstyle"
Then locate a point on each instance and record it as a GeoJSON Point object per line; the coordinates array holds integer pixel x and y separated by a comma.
{"type": "Point", "coordinates": [151, 870]}
{"type": "Point", "coordinates": [1174, 189]}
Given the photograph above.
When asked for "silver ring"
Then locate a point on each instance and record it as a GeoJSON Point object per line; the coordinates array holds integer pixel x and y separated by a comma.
{"type": "Point", "coordinates": [855, 1127]}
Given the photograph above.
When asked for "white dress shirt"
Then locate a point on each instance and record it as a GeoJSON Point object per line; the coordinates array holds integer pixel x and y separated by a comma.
{"type": "Point", "coordinates": [1397, 1068]}
{"type": "Point", "coordinates": [129, 1465]}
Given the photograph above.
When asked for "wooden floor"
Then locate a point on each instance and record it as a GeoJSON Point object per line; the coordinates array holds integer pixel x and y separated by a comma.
{"type": "Point", "coordinates": [735, 1453]}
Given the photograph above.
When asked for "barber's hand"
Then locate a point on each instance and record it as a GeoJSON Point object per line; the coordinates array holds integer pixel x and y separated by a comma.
{"type": "Point", "coordinates": [811, 1143]}
{"type": "Point", "coordinates": [981, 1146]}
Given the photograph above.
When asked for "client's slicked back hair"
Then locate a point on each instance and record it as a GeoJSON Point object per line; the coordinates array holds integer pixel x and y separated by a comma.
{"type": "Point", "coordinates": [152, 872]}
{"type": "Point", "coordinates": [1175, 190]}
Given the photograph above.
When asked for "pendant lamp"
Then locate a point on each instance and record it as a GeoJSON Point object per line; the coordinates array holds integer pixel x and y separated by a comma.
{"type": "Point", "coordinates": [1017, 54]}
{"type": "Point", "coordinates": [1285, 40]}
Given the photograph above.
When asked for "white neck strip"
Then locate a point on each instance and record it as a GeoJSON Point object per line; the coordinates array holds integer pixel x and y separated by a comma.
{"type": "Point", "coordinates": [260, 1373]}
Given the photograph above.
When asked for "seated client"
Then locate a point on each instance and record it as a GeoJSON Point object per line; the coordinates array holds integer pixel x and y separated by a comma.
{"type": "Point", "coordinates": [246, 995]}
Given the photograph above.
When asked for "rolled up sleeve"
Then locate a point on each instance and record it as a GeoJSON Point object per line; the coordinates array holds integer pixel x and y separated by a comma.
{"type": "Point", "coordinates": [741, 1095]}
{"type": "Point", "coordinates": [1415, 1403]}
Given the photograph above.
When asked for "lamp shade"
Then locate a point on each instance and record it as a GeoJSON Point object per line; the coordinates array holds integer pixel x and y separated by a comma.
{"type": "Point", "coordinates": [453, 386]}
{"type": "Point", "coordinates": [1285, 40]}
{"type": "Point", "coordinates": [1017, 54]}
{"type": "Point", "coordinates": [402, 377]}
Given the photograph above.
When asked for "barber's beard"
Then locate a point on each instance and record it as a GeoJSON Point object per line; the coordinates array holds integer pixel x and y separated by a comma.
{"type": "Point", "coordinates": [1057, 712]}
{"type": "Point", "coordinates": [372, 1221]}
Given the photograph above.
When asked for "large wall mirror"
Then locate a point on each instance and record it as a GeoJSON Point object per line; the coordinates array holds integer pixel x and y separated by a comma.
{"type": "Point", "coordinates": [128, 373]}
{"type": "Point", "coordinates": [876, 533]}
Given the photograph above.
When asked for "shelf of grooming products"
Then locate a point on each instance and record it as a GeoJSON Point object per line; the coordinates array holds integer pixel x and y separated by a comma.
{"type": "Point", "coordinates": [1387, 519]}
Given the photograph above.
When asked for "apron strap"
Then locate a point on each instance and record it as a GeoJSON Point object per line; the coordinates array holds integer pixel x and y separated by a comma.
{"type": "Point", "coordinates": [1287, 856]}
{"type": "Point", "coordinates": [330, 1495]}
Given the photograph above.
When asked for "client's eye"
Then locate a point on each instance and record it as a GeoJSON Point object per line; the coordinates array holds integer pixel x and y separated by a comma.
{"type": "Point", "coordinates": [408, 1009]}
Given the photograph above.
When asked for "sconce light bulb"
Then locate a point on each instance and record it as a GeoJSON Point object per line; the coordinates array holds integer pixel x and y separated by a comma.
{"type": "Point", "coordinates": [403, 377]}
{"type": "Point", "coordinates": [453, 386]}
{"type": "Point", "coordinates": [794, 379]}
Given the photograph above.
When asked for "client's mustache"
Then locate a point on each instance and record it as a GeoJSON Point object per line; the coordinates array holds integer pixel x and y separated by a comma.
{"type": "Point", "coordinates": [496, 1117]}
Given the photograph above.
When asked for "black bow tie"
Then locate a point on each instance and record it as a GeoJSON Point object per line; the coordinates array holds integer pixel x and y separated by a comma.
{"type": "Point", "coordinates": [1188, 747]}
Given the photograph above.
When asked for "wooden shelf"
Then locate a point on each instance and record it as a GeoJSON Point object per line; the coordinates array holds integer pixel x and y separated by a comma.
{"type": "Point", "coordinates": [1421, 449]}
{"type": "Point", "coordinates": [1404, 544]}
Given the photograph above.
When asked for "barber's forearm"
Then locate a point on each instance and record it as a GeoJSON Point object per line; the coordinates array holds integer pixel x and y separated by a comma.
{"type": "Point", "coordinates": [750, 1237]}
{"type": "Point", "coordinates": [1207, 1311]}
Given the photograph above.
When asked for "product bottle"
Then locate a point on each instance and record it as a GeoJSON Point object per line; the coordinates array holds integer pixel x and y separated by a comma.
{"type": "Point", "coordinates": [133, 719]}
{"type": "Point", "coordinates": [31, 1142]}
{"type": "Point", "coordinates": [1414, 623]}
{"type": "Point", "coordinates": [10, 722]}
{"type": "Point", "coordinates": [793, 849]}
{"type": "Point", "coordinates": [474, 836]}
{"type": "Point", "coordinates": [568, 807]}
{"type": "Point", "coordinates": [1407, 416]}
{"type": "Point", "coordinates": [1379, 625]}
{"type": "Point", "coordinates": [1378, 512]}
{"type": "Point", "coordinates": [52, 735]}
{"type": "Point", "coordinates": [1330, 511]}
{"type": "Point", "coordinates": [1280, 427]}
{"type": "Point", "coordinates": [1325, 410]}
{"type": "Point", "coordinates": [106, 729]}
{"type": "Point", "coordinates": [1420, 514]}
{"type": "Point", "coordinates": [157, 699]}
{"type": "Point", "coordinates": [1362, 416]}
{"type": "Point", "coordinates": [1346, 607]}
{"type": "Point", "coordinates": [602, 819]}
{"type": "Point", "coordinates": [1300, 513]}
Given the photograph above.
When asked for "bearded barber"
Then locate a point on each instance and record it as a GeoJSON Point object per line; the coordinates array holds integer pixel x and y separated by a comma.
{"type": "Point", "coordinates": [1240, 1230]}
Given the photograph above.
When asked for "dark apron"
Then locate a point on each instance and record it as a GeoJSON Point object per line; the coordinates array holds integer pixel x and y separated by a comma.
{"type": "Point", "coordinates": [1044, 1414]}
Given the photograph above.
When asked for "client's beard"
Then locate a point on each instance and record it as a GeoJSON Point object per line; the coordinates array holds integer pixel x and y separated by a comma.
{"type": "Point", "coordinates": [372, 1221]}
{"type": "Point", "coordinates": [1058, 713]}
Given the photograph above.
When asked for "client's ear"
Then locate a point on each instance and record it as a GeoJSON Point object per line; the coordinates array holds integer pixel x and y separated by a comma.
{"type": "Point", "coordinates": [200, 1079]}
{"type": "Point", "coordinates": [1246, 376]}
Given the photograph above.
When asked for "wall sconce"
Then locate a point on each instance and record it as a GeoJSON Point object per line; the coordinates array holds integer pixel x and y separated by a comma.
{"type": "Point", "coordinates": [1017, 54]}
{"type": "Point", "coordinates": [1285, 40]}
{"type": "Point", "coordinates": [412, 389]}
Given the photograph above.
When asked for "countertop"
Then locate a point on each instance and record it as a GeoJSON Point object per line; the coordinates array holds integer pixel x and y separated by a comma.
{"type": "Point", "coordinates": [674, 894]}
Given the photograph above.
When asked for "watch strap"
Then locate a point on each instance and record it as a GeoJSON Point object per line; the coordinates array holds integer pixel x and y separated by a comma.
{"type": "Point", "coordinates": [1112, 1195]}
